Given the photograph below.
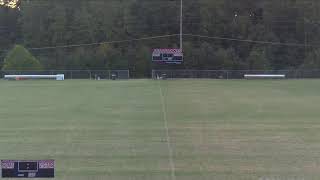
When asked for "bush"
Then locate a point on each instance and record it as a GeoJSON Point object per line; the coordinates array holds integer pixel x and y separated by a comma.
{"type": "Point", "coordinates": [19, 58]}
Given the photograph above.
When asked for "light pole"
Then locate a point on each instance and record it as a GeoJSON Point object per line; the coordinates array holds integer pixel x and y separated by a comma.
{"type": "Point", "coordinates": [181, 24]}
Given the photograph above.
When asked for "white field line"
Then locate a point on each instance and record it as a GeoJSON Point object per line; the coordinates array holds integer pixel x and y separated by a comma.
{"type": "Point", "coordinates": [164, 112]}
{"type": "Point", "coordinates": [69, 143]}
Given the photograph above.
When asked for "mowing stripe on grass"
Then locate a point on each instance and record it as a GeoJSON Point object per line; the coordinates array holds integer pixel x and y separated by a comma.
{"type": "Point", "coordinates": [164, 112]}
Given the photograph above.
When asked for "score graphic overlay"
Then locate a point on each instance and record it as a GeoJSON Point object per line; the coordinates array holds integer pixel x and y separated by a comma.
{"type": "Point", "coordinates": [27, 169]}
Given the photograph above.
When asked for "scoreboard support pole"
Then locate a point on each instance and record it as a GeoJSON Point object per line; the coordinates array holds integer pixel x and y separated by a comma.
{"type": "Point", "coordinates": [181, 25]}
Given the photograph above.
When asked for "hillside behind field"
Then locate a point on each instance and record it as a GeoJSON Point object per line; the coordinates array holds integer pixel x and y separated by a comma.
{"type": "Point", "coordinates": [219, 34]}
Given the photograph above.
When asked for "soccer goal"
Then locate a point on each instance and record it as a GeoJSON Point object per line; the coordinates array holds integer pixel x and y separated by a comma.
{"type": "Point", "coordinates": [264, 76]}
{"type": "Point", "coordinates": [58, 77]}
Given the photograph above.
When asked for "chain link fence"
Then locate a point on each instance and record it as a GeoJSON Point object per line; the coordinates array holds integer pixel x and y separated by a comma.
{"type": "Point", "coordinates": [232, 74]}
{"type": "Point", "coordinates": [75, 74]}
{"type": "Point", "coordinates": [171, 74]}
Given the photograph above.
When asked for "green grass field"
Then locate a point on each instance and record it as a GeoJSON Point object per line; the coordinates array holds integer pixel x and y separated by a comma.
{"type": "Point", "coordinates": [165, 130]}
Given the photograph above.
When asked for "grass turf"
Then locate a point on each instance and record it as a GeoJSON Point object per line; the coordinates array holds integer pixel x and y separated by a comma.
{"type": "Point", "coordinates": [116, 130]}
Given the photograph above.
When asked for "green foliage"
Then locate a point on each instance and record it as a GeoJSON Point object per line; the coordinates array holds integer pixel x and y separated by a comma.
{"type": "Point", "coordinates": [258, 60]}
{"type": "Point", "coordinates": [20, 58]}
{"type": "Point", "coordinates": [224, 57]}
{"type": "Point", "coordinates": [312, 60]}
{"type": "Point", "coordinates": [141, 67]}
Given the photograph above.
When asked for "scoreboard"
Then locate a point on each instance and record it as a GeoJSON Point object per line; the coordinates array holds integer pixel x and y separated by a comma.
{"type": "Point", "coordinates": [167, 56]}
{"type": "Point", "coordinates": [27, 169]}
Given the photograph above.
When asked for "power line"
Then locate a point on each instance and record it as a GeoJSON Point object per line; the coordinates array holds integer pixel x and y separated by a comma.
{"type": "Point", "coordinates": [173, 35]}
{"type": "Point", "coordinates": [99, 43]}
{"type": "Point", "coordinates": [252, 41]}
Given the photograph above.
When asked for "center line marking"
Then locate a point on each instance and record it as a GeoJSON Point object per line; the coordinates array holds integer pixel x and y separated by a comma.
{"type": "Point", "coordinates": [164, 112]}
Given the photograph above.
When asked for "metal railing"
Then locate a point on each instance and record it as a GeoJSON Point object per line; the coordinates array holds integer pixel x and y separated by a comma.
{"type": "Point", "coordinates": [171, 74]}
{"type": "Point", "coordinates": [232, 74]}
{"type": "Point", "coordinates": [75, 74]}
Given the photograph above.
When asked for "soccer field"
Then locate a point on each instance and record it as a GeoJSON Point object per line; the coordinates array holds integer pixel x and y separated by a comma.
{"type": "Point", "coordinates": [165, 130]}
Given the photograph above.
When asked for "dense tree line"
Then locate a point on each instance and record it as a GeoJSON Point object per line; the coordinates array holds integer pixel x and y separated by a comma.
{"type": "Point", "coordinates": [234, 34]}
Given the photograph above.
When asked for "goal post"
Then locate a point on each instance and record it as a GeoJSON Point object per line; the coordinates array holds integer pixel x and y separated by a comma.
{"type": "Point", "coordinates": [58, 77]}
{"type": "Point", "coordinates": [264, 76]}
{"type": "Point", "coordinates": [66, 74]}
